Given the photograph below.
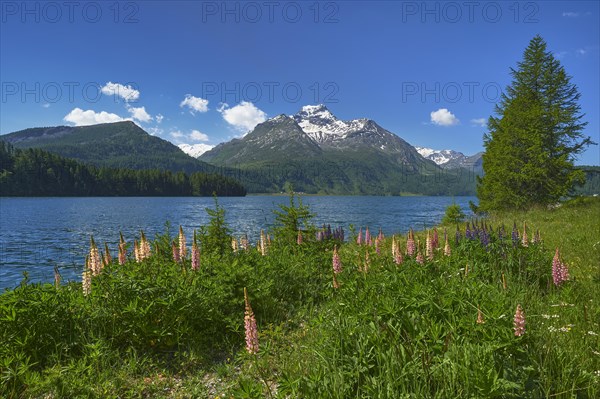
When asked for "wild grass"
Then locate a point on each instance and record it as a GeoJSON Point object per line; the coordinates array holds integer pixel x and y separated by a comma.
{"type": "Point", "coordinates": [438, 329]}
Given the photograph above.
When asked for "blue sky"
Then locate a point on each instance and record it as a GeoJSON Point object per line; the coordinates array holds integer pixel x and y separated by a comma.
{"type": "Point", "coordinates": [205, 72]}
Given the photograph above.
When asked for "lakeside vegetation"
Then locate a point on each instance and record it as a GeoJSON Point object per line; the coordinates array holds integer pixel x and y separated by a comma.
{"type": "Point", "coordinates": [35, 172]}
{"type": "Point", "coordinates": [334, 319]}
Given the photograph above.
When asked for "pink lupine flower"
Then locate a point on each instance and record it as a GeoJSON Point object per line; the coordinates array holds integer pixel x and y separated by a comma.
{"type": "Point", "coordinates": [86, 280]}
{"type": "Point", "coordinates": [429, 246]}
{"type": "Point", "coordinates": [263, 243]}
{"type": "Point", "coordinates": [95, 261]}
{"type": "Point", "coordinates": [410, 244]}
{"type": "Point", "coordinates": [435, 240]}
{"type": "Point", "coordinates": [380, 236]}
{"type": "Point", "coordinates": [394, 246]}
{"type": "Point", "coordinates": [396, 253]}
{"type": "Point", "coordinates": [299, 239]}
{"type": "Point", "coordinates": [145, 251]}
{"type": "Point", "coordinates": [175, 250]}
{"type": "Point", "coordinates": [250, 327]}
{"type": "Point", "coordinates": [359, 239]}
{"type": "Point", "coordinates": [337, 262]}
{"type": "Point", "coordinates": [420, 259]}
{"type": "Point", "coordinates": [336, 285]}
{"type": "Point", "coordinates": [195, 256]}
{"type": "Point", "coordinates": [367, 236]}
{"type": "Point", "coordinates": [560, 272]}
{"type": "Point", "coordinates": [136, 251]}
{"type": "Point", "coordinates": [57, 277]}
{"type": "Point", "coordinates": [447, 250]}
{"type": "Point", "coordinates": [480, 317]}
{"type": "Point", "coordinates": [377, 249]}
{"type": "Point", "coordinates": [122, 250]}
{"type": "Point", "coordinates": [524, 239]}
{"type": "Point", "coordinates": [106, 259]}
{"type": "Point", "coordinates": [182, 244]}
{"type": "Point", "coordinates": [234, 244]}
{"type": "Point", "coordinates": [519, 322]}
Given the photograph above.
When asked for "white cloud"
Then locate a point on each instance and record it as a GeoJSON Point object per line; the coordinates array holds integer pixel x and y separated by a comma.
{"type": "Point", "coordinates": [195, 104]}
{"type": "Point", "coordinates": [46, 105]}
{"type": "Point", "coordinates": [155, 131]}
{"type": "Point", "coordinates": [482, 122]}
{"type": "Point", "coordinates": [159, 118]}
{"type": "Point", "coordinates": [139, 114]}
{"type": "Point", "coordinates": [244, 116]}
{"type": "Point", "coordinates": [196, 135]}
{"type": "Point", "coordinates": [80, 117]}
{"type": "Point", "coordinates": [177, 134]}
{"type": "Point", "coordinates": [581, 51]}
{"type": "Point", "coordinates": [560, 54]}
{"type": "Point", "coordinates": [443, 117]}
{"type": "Point", "coordinates": [570, 14]}
{"type": "Point", "coordinates": [127, 93]}
{"type": "Point", "coordinates": [195, 150]}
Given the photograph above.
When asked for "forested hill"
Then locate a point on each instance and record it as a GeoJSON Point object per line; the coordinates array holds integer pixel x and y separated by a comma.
{"type": "Point", "coordinates": [113, 145]}
{"type": "Point", "coordinates": [35, 172]}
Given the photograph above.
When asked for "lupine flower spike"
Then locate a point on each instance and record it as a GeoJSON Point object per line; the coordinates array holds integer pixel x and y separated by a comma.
{"type": "Point", "coordinates": [359, 238]}
{"type": "Point", "coordinates": [367, 236]}
{"type": "Point", "coordinates": [234, 244]}
{"type": "Point", "coordinates": [250, 327]}
{"type": "Point", "coordinates": [86, 279]}
{"type": "Point", "coordinates": [447, 250]}
{"type": "Point", "coordinates": [367, 262]}
{"type": "Point", "coordinates": [435, 241]}
{"type": "Point", "coordinates": [396, 252]}
{"type": "Point", "coordinates": [480, 317]}
{"type": "Point", "coordinates": [57, 277]}
{"type": "Point", "coordinates": [560, 272]}
{"type": "Point", "coordinates": [244, 242]}
{"type": "Point", "coordinates": [122, 250]}
{"type": "Point", "coordinates": [420, 259]}
{"type": "Point", "coordinates": [95, 262]}
{"type": "Point", "coordinates": [410, 244]}
{"type": "Point", "coordinates": [524, 239]}
{"type": "Point", "coordinates": [175, 250]}
{"type": "Point", "coordinates": [106, 259]}
{"type": "Point", "coordinates": [136, 251]}
{"type": "Point", "coordinates": [182, 244]}
{"type": "Point", "coordinates": [263, 243]}
{"type": "Point", "coordinates": [377, 249]}
{"type": "Point", "coordinates": [519, 322]}
{"type": "Point", "coordinates": [380, 236]}
{"type": "Point", "coordinates": [195, 254]}
{"type": "Point", "coordinates": [337, 263]}
{"type": "Point", "coordinates": [336, 285]}
{"type": "Point", "coordinates": [429, 246]}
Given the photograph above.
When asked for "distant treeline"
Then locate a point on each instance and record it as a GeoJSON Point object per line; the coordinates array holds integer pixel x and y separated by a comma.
{"type": "Point", "coordinates": [34, 172]}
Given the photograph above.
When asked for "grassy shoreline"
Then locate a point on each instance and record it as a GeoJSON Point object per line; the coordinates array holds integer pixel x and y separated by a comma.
{"type": "Point", "coordinates": [158, 328]}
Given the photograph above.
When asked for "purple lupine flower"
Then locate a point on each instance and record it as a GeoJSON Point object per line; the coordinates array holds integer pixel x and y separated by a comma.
{"type": "Point", "coordinates": [250, 327]}
{"type": "Point", "coordinates": [457, 236]}
{"type": "Point", "coordinates": [515, 235]}
{"type": "Point", "coordinates": [519, 322]}
{"type": "Point", "coordinates": [336, 262]}
{"type": "Point", "coordinates": [367, 236]}
{"type": "Point", "coordinates": [501, 233]}
{"type": "Point", "coordinates": [468, 232]}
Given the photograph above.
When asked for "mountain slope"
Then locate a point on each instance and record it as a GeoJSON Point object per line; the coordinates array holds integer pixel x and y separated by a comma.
{"type": "Point", "coordinates": [120, 144]}
{"type": "Point", "coordinates": [449, 159]}
{"type": "Point", "coordinates": [316, 152]}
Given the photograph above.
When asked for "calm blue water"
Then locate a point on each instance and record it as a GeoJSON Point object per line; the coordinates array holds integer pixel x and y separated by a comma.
{"type": "Point", "coordinates": [37, 234]}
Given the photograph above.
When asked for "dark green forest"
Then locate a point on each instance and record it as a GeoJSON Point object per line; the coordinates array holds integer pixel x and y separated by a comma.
{"type": "Point", "coordinates": [35, 172]}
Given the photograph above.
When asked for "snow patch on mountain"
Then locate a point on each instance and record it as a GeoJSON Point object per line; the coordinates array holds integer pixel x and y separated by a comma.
{"type": "Point", "coordinates": [440, 157]}
{"type": "Point", "coordinates": [195, 150]}
{"type": "Point", "coordinates": [321, 125]}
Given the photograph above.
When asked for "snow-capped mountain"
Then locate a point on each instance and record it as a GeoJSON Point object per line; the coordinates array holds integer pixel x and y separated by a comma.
{"type": "Point", "coordinates": [440, 157]}
{"type": "Point", "coordinates": [195, 150]}
{"type": "Point", "coordinates": [449, 159]}
{"type": "Point", "coordinates": [315, 132]}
